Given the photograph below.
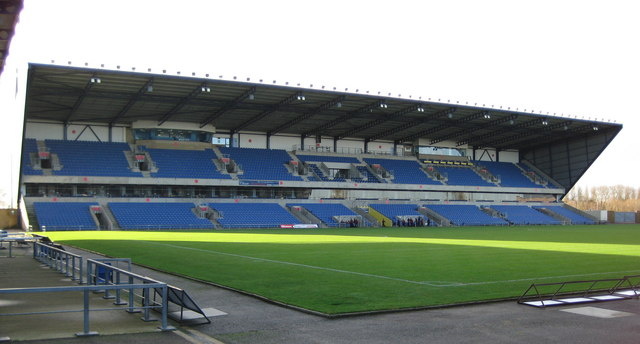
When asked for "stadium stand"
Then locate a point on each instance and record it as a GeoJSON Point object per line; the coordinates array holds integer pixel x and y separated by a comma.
{"type": "Point", "coordinates": [325, 158]}
{"type": "Point", "coordinates": [261, 164]}
{"type": "Point", "coordinates": [319, 175]}
{"type": "Point", "coordinates": [398, 212]}
{"type": "Point", "coordinates": [524, 215]}
{"type": "Point", "coordinates": [173, 163]}
{"type": "Point", "coordinates": [368, 177]}
{"type": "Point", "coordinates": [510, 174]}
{"type": "Point", "coordinates": [157, 216]}
{"type": "Point", "coordinates": [327, 212]}
{"type": "Point", "coordinates": [88, 158]}
{"type": "Point", "coordinates": [58, 216]}
{"type": "Point", "coordinates": [575, 218]}
{"type": "Point", "coordinates": [462, 176]}
{"type": "Point", "coordinates": [544, 181]}
{"type": "Point", "coordinates": [465, 215]}
{"type": "Point", "coordinates": [252, 215]}
{"type": "Point", "coordinates": [404, 171]}
{"type": "Point", "coordinates": [389, 150]}
{"type": "Point", "coordinates": [30, 146]}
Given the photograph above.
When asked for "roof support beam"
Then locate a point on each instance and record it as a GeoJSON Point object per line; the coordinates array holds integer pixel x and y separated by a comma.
{"type": "Point", "coordinates": [182, 103]}
{"type": "Point", "coordinates": [537, 133]}
{"type": "Point", "coordinates": [79, 101]}
{"type": "Point", "coordinates": [546, 135]}
{"type": "Point", "coordinates": [444, 126]}
{"type": "Point", "coordinates": [132, 101]}
{"type": "Point", "coordinates": [307, 115]}
{"type": "Point", "coordinates": [379, 121]}
{"type": "Point", "coordinates": [408, 125]}
{"type": "Point", "coordinates": [493, 134]}
{"type": "Point", "coordinates": [290, 99]}
{"type": "Point", "coordinates": [228, 106]}
{"type": "Point", "coordinates": [363, 110]}
{"type": "Point", "coordinates": [469, 131]}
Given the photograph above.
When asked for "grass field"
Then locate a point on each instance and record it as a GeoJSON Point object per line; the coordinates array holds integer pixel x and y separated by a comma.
{"type": "Point", "coordinates": [350, 270]}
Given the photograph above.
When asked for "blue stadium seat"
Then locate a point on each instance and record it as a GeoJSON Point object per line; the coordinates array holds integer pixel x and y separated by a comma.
{"type": "Point", "coordinates": [465, 215]}
{"type": "Point", "coordinates": [157, 216]}
{"type": "Point", "coordinates": [575, 218]}
{"type": "Point", "coordinates": [404, 171]}
{"type": "Point", "coordinates": [60, 216]}
{"type": "Point", "coordinates": [462, 176]}
{"type": "Point", "coordinates": [528, 169]}
{"type": "Point", "coordinates": [89, 158]}
{"type": "Point", "coordinates": [326, 211]}
{"type": "Point", "coordinates": [30, 146]}
{"type": "Point", "coordinates": [523, 215]}
{"type": "Point", "coordinates": [395, 211]}
{"type": "Point", "coordinates": [325, 158]}
{"type": "Point", "coordinates": [261, 164]}
{"type": "Point", "coordinates": [253, 215]}
{"type": "Point", "coordinates": [174, 163]}
{"type": "Point", "coordinates": [510, 175]}
{"type": "Point", "coordinates": [368, 177]}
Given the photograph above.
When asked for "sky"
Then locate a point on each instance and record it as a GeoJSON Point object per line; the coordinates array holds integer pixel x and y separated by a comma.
{"type": "Point", "coordinates": [578, 58]}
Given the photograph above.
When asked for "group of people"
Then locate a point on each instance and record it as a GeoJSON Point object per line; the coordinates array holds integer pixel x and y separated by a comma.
{"type": "Point", "coordinates": [418, 221]}
{"type": "Point", "coordinates": [351, 223]}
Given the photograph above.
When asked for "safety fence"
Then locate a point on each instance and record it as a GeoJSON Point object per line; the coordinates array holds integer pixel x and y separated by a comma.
{"type": "Point", "coordinates": [131, 292]}
{"type": "Point", "coordinates": [572, 292]}
{"type": "Point", "coordinates": [60, 260]}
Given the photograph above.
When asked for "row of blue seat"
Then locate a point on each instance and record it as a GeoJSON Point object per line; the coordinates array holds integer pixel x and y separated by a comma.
{"type": "Point", "coordinates": [55, 216]}
{"type": "Point", "coordinates": [327, 211]}
{"type": "Point", "coordinates": [149, 215]}
{"type": "Point", "coordinates": [247, 215]}
{"type": "Point", "coordinates": [88, 158]}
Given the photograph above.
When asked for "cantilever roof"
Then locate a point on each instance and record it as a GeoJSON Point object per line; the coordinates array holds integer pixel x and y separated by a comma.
{"type": "Point", "coordinates": [67, 94]}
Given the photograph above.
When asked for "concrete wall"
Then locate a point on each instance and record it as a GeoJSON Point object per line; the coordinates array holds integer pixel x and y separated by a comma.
{"type": "Point", "coordinates": [145, 124]}
{"type": "Point", "coordinates": [8, 218]}
{"type": "Point", "coordinates": [80, 132]}
{"type": "Point", "coordinates": [252, 140]}
{"type": "Point", "coordinates": [381, 147]}
{"type": "Point", "coordinates": [285, 142]}
{"type": "Point", "coordinates": [42, 131]}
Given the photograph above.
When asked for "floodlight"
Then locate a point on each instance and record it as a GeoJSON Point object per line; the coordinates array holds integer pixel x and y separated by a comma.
{"type": "Point", "coordinates": [95, 80]}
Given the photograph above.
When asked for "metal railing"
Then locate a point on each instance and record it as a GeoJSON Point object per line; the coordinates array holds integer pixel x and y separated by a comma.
{"type": "Point", "coordinates": [100, 277]}
{"type": "Point", "coordinates": [117, 279]}
{"type": "Point", "coordinates": [65, 262]}
{"type": "Point", "coordinates": [85, 289]}
{"type": "Point", "coordinates": [547, 294]}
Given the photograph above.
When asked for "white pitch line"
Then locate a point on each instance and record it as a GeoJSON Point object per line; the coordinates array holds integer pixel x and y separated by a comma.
{"type": "Point", "coordinates": [301, 265]}
{"type": "Point", "coordinates": [428, 283]}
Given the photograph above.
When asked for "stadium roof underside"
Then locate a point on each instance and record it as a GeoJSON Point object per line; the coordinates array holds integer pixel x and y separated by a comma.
{"type": "Point", "coordinates": [561, 147]}
{"type": "Point", "coordinates": [9, 12]}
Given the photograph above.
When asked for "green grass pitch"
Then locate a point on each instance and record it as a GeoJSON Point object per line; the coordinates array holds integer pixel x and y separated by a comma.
{"type": "Point", "coordinates": [351, 270]}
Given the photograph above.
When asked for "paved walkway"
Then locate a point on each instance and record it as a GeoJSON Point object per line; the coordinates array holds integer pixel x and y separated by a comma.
{"type": "Point", "coordinates": [249, 320]}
